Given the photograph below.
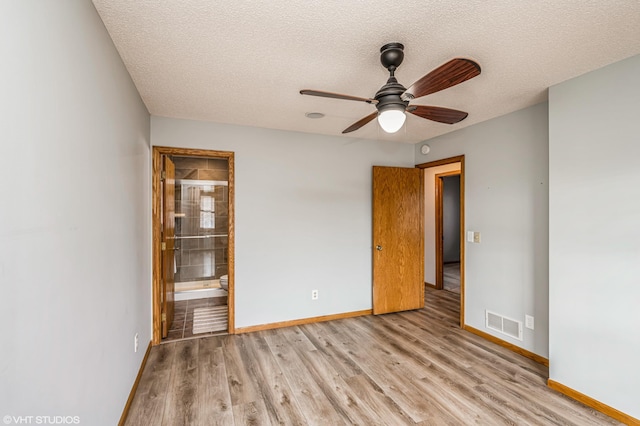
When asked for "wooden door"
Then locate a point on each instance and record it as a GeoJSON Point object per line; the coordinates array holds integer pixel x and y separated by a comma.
{"type": "Point", "coordinates": [168, 244]}
{"type": "Point", "coordinates": [398, 239]}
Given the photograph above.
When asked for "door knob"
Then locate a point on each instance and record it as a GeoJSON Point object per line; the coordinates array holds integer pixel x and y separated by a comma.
{"type": "Point", "coordinates": [379, 248]}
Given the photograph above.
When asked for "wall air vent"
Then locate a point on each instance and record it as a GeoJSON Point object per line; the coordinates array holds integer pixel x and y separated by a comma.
{"type": "Point", "coordinates": [504, 325]}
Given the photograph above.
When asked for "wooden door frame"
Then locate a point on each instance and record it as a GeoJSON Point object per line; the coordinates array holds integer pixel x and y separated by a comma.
{"type": "Point", "coordinates": [167, 238]}
{"type": "Point", "coordinates": [439, 192]}
{"type": "Point", "coordinates": [156, 248]}
{"type": "Point", "coordinates": [445, 161]}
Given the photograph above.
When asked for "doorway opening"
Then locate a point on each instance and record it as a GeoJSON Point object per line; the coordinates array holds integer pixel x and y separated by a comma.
{"type": "Point", "coordinates": [193, 243]}
{"type": "Point", "coordinates": [447, 203]}
{"type": "Point", "coordinates": [444, 241]}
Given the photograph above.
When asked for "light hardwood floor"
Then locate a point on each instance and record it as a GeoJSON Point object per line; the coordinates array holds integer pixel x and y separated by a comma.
{"type": "Point", "coordinates": [451, 277]}
{"type": "Point", "coordinates": [415, 367]}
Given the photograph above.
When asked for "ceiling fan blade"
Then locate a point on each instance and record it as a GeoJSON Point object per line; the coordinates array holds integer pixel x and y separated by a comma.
{"type": "Point", "coordinates": [360, 123]}
{"type": "Point", "coordinates": [439, 114]}
{"type": "Point", "coordinates": [337, 96]}
{"type": "Point", "coordinates": [447, 75]}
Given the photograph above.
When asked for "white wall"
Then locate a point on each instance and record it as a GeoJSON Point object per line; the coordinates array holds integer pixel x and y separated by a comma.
{"type": "Point", "coordinates": [594, 268]}
{"type": "Point", "coordinates": [303, 215]}
{"type": "Point", "coordinates": [430, 217]}
{"type": "Point", "coordinates": [74, 222]}
{"type": "Point", "coordinates": [506, 200]}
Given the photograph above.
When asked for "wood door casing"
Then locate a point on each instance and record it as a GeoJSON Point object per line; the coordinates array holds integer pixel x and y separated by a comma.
{"type": "Point", "coordinates": [168, 242]}
{"type": "Point", "coordinates": [158, 153]}
{"type": "Point", "coordinates": [398, 230]}
{"type": "Point", "coordinates": [458, 159]}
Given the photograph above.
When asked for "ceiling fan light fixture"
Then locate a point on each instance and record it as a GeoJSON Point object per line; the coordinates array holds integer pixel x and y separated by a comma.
{"type": "Point", "coordinates": [392, 99]}
{"type": "Point", "coordinates": [391, 120]}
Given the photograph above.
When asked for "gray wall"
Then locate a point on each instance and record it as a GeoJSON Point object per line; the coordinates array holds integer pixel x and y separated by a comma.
{"type": "Point", "coordinates": [74, 222]}
{"type": "Point", "coordinates": [594, 245]}
{"type": "Point", "coordinates": [451, 219]}
{"type": "Point", "coordinates": [506, 199]}
{"type": "Point", "coordinates": [303, 215]}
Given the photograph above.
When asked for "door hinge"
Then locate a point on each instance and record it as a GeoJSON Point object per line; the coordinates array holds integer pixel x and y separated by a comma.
{"type": "Point", "coordinates": [164, 317]}
{"type": "Point", "coordinates": [163, 246]}
{"type": "Point", "coordinates": [163, 175]}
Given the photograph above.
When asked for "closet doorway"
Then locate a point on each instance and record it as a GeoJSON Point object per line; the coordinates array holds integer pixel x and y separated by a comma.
{"type": "Point", "coordinates": [193, 243]}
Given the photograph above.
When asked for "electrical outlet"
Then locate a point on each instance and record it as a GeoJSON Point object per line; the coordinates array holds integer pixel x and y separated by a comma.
{"type": "Point", "coordinates": [528, 321]}
{"type": "Point", "coordinates": [135, 343]}
{"type": "Point", "coordinates": [314, 294]}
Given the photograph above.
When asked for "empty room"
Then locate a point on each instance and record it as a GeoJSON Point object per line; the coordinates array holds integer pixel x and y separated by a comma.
{"type": "Point", "coordinates": [320, 212]}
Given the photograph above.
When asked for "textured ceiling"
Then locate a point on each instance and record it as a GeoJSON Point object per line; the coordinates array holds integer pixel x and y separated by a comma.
{"type": "Point", "coordinates": [244, 62]}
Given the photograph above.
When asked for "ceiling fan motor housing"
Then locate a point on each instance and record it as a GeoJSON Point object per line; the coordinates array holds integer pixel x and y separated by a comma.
{"type": "Point", "coordinates": [389, 95]}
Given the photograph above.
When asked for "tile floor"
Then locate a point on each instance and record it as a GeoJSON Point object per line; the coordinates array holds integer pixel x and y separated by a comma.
{"type": "Point", "coordinates": [182, 326]}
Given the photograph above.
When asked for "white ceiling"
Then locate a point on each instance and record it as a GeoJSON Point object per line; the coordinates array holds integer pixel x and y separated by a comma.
{"type": "Point", "coordinates": [244, 62]}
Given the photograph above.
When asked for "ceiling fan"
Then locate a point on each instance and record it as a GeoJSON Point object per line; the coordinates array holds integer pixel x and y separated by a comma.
{"type": "Point", "coordinates": [392, 100]}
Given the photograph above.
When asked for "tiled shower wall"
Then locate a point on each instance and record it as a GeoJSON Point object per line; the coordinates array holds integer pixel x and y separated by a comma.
{"type": "Point", "coordinates": [201, 258]}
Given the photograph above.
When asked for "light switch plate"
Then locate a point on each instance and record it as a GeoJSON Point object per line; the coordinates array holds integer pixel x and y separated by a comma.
{"type": "Point", "coordinates": [476, 237]}
{"type": "Point", "coordinates": [470, 236]}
